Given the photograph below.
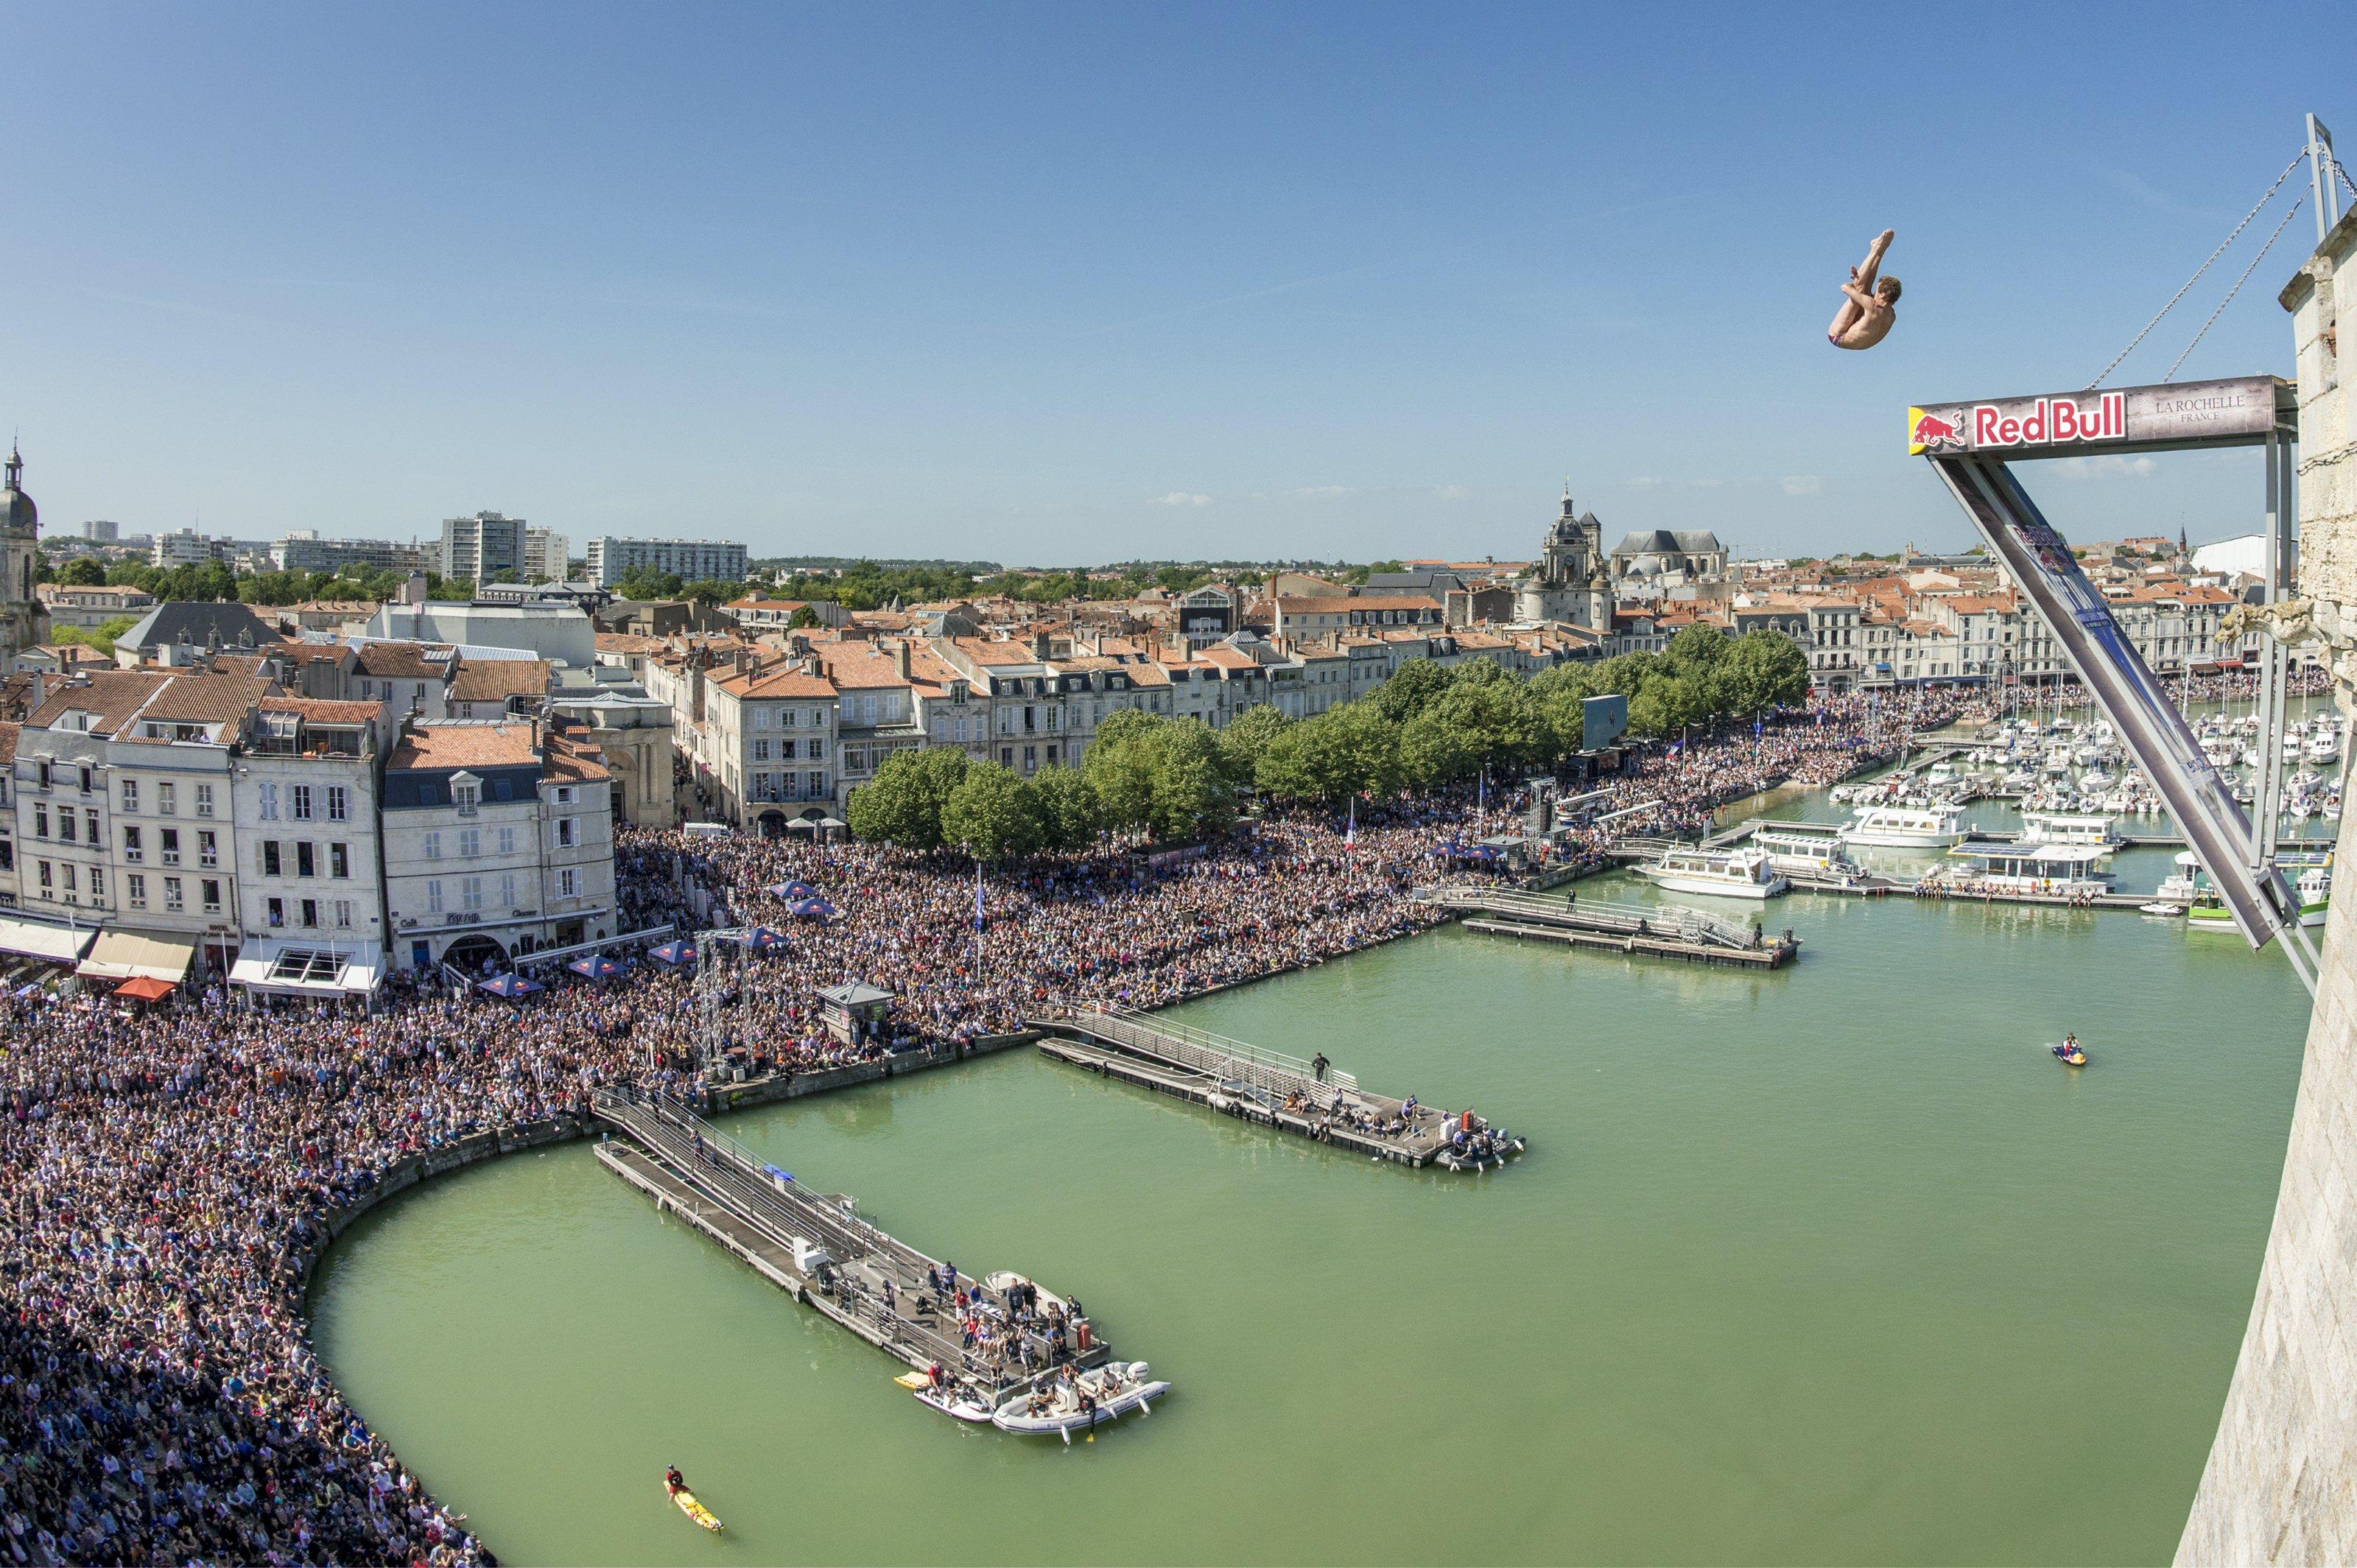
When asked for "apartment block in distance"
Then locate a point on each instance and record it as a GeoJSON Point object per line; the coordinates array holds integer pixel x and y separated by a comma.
{"type": "Point", "coordinates": [693, 560]}
{"type": "Point", "coordinates": [483, 545]}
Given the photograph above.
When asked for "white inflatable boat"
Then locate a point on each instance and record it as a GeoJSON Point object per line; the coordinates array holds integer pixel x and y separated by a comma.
{"type": "Point", "coordinates": [1114, 1390]}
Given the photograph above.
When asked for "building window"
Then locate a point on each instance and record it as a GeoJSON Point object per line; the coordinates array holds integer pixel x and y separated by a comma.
{"type": "Point", "coordinates": [340, 860]}
{"type": "Point", "coordinates": [817, 785]}
{"type": "Point", "coordinates": [507, 891]}
{"type": "Point", "coordinates": [208, 852]}
{"type": "Point", "coordinates": [310, 912]}
{"type": "Point", "coordinates": [172, 892]}
{"type": "Point", "coordinates": [90, 825]}
{"type": "Point", "coordinates": [43, 867]}
{"type": "Point", "coordinates": [433, 897]}
{"type": "Point", "coordinates": [171, 845]}
{"type": "Point", "coordinates": [433, 846]}
{"type": "Point", "coordinates": [277, 907]}
{"type": "Point", "coordinates": [343, 911]}
{"type": "Point", "coordinates": [306, 862]}
{"type": "Point", "coordinates": [65, 824]}
{"type": "Point", "coordinates": [211, 890]}
{"type": "Point", "coordinates": [467, 796]}
{"type": "Point", "coordinates": [565, 794]}
{"type": "Point", "coordinates": [66, 871]}
{"type": "Point", "coordinates": [268, 795]}
{"type": "Point", "coordinates": [506, 841]}
{"type": "Point", "coordinates": [569, 882]}
{"type": "Point", "coordinates": [131, 794]}
{"type": "Point", "coordinates": [470, 842]}
{"type": "Point", "coordinates": [298, 801]}
{"type": "Point", "coordinates": [40, 819]}
{"type": "Point", "coordinates": [135, 888]}
{"type": "Point", "coordinates": [816, 750]}
{"type": "Point", "coordinates": [789, 717]}
{"type": "Point", "coordinates": [97, 882]}
{"type": "Point", "coordinates": [566, 838]}
{"type": "Point", "coordinates": [165, 802]}
{"type": "Point", "coordinates": [471, 891]}
{"type": "Point", "coordinates": [760, 751]}
{"type": "Point", "coordinates": [270, 862]}
{"type": "Point", "coordinates": [339, 803]}
{"type": "Point", "coordinates": [204, 800]}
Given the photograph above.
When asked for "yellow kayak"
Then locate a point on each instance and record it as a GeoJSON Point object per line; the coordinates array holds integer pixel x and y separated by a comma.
{"type": "Point", "coordinates": [693, 1509]}
{"type": "Point", "coordinates": [914, 1380]}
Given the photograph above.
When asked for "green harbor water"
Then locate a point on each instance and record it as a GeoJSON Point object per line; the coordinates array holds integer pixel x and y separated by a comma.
{"type": "Point", "coordinates": [1830, 1265]}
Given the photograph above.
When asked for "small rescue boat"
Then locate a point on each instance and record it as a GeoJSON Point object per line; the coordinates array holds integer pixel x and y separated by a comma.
{"type": "Point", "coordinates": [1114, 1390]}
{"type": "Point", "coordinates": [953, 1398]}
{"type": "Point", "coordinates": [691, 1508]}
{"type": "Point", "coordinates": [2070, 1056]}
{"type": "Point", "coordinates": [2161, 910]}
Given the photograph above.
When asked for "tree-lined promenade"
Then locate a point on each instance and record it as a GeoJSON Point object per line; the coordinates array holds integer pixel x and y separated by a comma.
{"type": "Point", "coordinates": [1423, 730]}
{"type": "Point", "coordinates": [161, 1171]}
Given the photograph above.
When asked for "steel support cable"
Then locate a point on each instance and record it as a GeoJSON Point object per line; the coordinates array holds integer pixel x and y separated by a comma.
{"type": "Point", "coordinates": [2237, 289]}
{"type": "Point", "coordinates": [2204, 267]}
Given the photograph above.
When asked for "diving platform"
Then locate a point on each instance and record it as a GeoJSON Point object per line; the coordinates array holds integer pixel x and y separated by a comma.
{"type": "Point", "coordinates": [816, 1248]}
{"type": "Point", "coordinates": [1270, 1089]}
{"type": "Point", "coordinates": [1658, 930]}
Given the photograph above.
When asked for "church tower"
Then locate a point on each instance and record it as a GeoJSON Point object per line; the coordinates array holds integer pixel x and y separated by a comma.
{"type": "Point", "coordinates": [23, 620]}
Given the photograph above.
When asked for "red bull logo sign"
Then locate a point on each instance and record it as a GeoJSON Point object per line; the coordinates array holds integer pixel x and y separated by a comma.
{"type": "Point", "coordinates": [2046, 421]}
{"type": "Point", "coordinates": [2062, 425]}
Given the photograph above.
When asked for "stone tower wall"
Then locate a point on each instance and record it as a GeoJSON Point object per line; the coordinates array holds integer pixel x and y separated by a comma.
{"type": "Point", "coordinates": [2281, 1482]}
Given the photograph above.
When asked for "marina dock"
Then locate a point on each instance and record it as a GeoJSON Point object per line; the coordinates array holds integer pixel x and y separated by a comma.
{"type": "Point", "coordinates": [813, 1245]}
{"type": "Point", "coordinates": [1659, 930]}
{"type": "Point", "coordinates": [1254, 1085]}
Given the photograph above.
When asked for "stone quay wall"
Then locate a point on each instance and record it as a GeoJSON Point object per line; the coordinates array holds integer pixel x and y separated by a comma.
{"type": "Point", "coordinates": [2281, 1482]}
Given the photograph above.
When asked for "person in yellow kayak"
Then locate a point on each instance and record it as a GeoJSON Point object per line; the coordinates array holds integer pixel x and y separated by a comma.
{"type": "Point", "coordinates": [673, 1481]}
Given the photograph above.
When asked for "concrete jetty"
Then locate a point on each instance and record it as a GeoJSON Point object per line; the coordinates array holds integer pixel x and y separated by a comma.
{"type": "Point", "coordinates": [1657, 930]}
{"type": "Point", "coordinates": [816, 1248]}
{"type": "Point", "coordinates": [1264, 1086]}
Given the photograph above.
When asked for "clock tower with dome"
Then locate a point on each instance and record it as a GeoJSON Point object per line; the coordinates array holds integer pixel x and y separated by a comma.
{"type": "Point", "coordinates": [24, 621]}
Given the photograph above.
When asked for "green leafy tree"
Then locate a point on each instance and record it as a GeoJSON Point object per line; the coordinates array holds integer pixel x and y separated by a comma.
{"type": "Point", "coordinates": [1436, 751]}
{"type": "Point", "coordinates": [1667, 705]}
{"type": "Point", "coordinates": [83, 572]}
{"type": "Point", "coordinates": [1192, 798]}
{"type": "Point", "coordinates": [1248, 734]}
{"type": "Point", "coordinates": [1119, 766]}
{"type": "Point", "coordinates": [1411, 687]}
{"type": "Point", "coordinates": [1561, 709]}
{"type": "Point", "coordinates": [712, 591]}
{"type": "Point", "coordinates": [994, 814]}
{"type": "Point", "coordinates": [1697, 650]}
{"type": "Point", "coordinates": [646, 583]}
{"type": "Point", "coordinates": [1331, 755]}
{"type": "Point", "coordinates": [902, 804]}
{"type": "Point", "coordinates": [1069, 814]}
{"type": "Point", "coordinates": [803, 617]}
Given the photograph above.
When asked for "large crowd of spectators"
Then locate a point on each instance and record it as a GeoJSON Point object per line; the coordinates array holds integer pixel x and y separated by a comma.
{"type": "Point", "coordinates": [167, 1171]}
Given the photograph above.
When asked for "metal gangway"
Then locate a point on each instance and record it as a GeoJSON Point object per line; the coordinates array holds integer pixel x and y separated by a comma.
{"type": "Point", "coordinates": [1268, 1075]}
{"type": "Point", "coordinates": [1676, 921]}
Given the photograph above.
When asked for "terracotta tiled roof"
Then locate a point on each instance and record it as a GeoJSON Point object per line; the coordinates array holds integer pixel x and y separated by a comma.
{"type": "Point", "coordinates": [397, 660]}
{"type": "Point", "coordinates": [110, 698]}
{"type": "Point", "coordinates": [428, 747]}
{"type": "Point", "coordinates": [206, 699]}
{"type": "Point", "coordinates": [8, 732]}
{"type": "Point", "coordinates": [785, 682]}
{"type": "Point", "coordinates": [321, 711]}
{"type": "Point", "coordinates": [576, 762]}
{"type": "Point", "coordinates": [498, 680]}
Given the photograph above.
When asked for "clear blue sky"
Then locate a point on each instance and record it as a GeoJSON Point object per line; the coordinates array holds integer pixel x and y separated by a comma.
{"type": "Point", "coordinates": [1093, 283]}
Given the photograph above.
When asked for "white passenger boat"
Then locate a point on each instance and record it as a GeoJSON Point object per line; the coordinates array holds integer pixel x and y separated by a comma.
{"type": "Point", "coordinates": [2324, 745]}
{"type": "Point", "coordinates": [2056, 827]}
{"type": "Point", "coordinates": [1907, 827]}
{"type": "Point", "coordinates": [1056, 1404]}
{"type": "Point", "coordinates": [1797, 852]}
{"type": "Point", "coordinates": [1721, 873]}
{"type": "Point", "coordinates": [2039, 870]}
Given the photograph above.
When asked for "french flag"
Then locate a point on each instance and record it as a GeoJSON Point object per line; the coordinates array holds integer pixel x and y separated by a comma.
{"type": "Point", "coordinates": [1350, 829]}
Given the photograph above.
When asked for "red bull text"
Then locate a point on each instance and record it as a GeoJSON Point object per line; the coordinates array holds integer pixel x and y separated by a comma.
{"type": "Point", "coordinates": [2050, 420]}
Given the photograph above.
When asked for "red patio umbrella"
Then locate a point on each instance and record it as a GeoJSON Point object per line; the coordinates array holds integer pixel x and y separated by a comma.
{"type": "Point", "coordinates": [144, 988]}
